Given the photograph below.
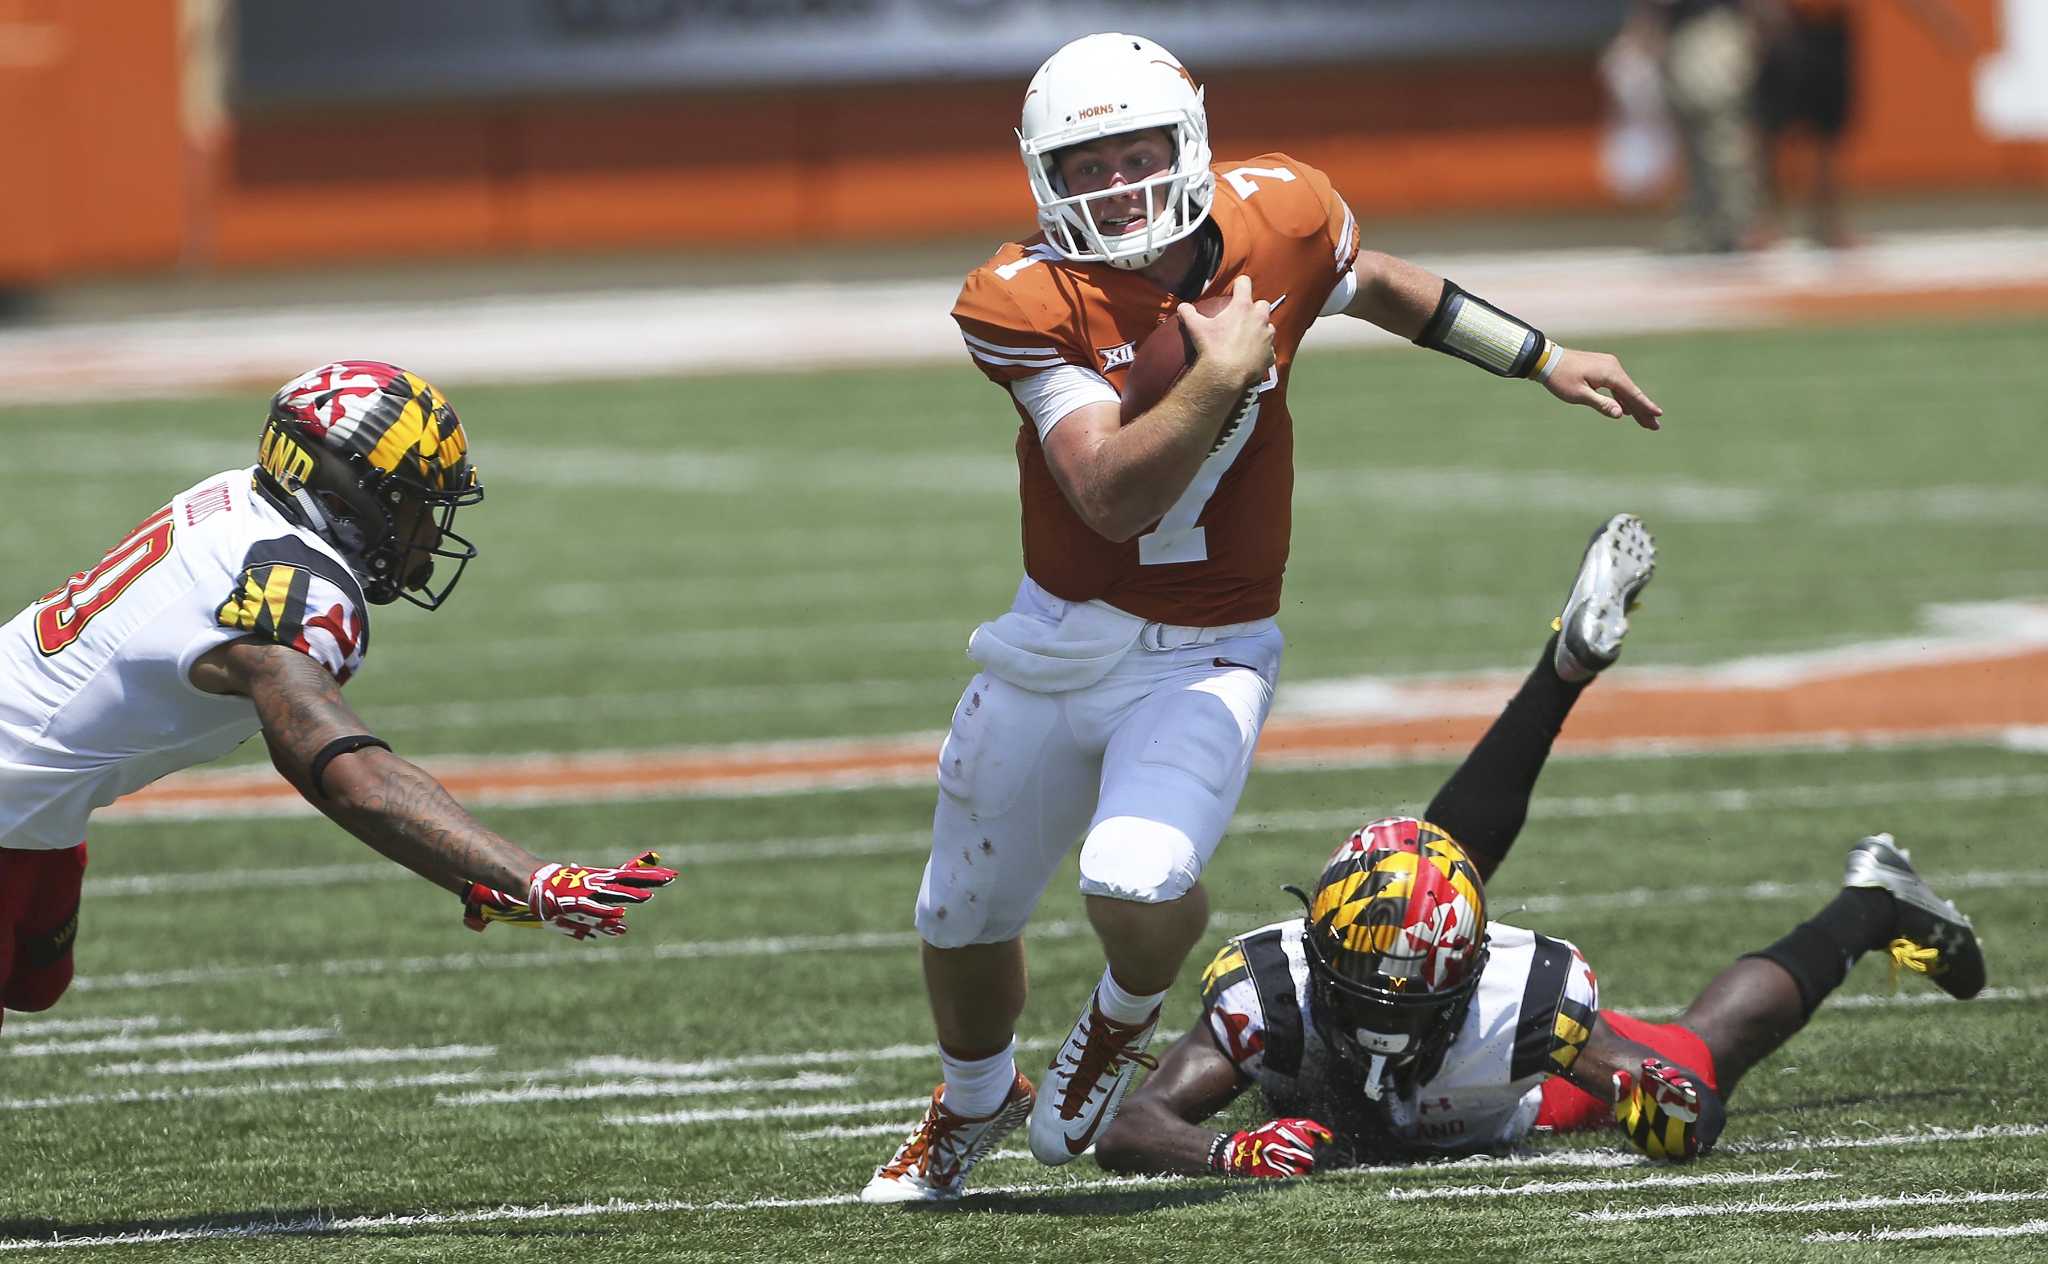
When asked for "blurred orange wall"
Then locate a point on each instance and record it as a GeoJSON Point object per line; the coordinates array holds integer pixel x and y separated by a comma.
{"type": "Point", "coordinates": [90, 138]}
{"type": "Point", "coordinates": [104, 178]}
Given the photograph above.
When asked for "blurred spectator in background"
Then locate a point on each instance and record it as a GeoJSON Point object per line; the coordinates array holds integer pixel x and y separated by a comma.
{"type": "Point", "coordinates": [1707, 52]}
{"type": "Point", "coordinates": [1806, 83]}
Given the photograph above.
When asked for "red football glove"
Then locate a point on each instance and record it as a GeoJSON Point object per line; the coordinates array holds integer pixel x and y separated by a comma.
{"type": "Point", "coordinates": [1667, 1112]}
{"type": "Point", "coordinates": [574, 899]}
{"type": "Point", "coordinates": [1279, 1147]}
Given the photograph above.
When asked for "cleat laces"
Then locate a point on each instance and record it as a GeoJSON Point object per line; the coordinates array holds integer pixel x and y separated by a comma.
{"type": "Point", "coordinates": [1106, 1053]}
{"type": "Point", "coordinates": [925, 1149]}
{"type": "Point", "coordinates": [1909, 956]}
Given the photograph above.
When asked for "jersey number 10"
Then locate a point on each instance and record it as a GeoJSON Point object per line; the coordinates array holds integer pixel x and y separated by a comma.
{"type": "Point", "coordinates": [65, 611]}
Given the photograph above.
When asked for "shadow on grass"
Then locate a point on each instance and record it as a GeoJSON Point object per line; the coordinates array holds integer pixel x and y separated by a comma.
{"type": "Point", "coordinates": [1127, 1200]}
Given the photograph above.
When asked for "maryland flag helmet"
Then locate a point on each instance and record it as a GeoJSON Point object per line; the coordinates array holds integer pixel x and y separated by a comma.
{"type": "Point", "coordinates": [374, 459]}
{"type": "Point", "coordinates": [1396, 941]}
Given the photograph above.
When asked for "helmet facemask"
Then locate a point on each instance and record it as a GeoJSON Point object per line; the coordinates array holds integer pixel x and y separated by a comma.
{"type": "Point", "coordinates": [1395, 939]}
{"type": "Point", "coordinates": [1176, 202]}
{"type": "Point", "coordinates": [1113, 85]}
{"type": "Point", "coordinates": [424, 514]}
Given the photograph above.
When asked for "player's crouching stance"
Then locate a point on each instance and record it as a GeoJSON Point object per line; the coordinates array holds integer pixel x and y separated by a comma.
{"type": "Point", "coordinates": [242, 606]}
{"type": "Point", "coordinates": [1393, 1020]}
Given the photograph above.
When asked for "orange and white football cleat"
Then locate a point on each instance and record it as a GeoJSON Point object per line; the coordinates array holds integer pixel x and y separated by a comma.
{"type": "Point", "coordinates": [933, 1162]}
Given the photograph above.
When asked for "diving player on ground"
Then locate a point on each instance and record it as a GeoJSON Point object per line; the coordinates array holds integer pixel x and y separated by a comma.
{"type": "Point", "coordinates": [1393, 1020]}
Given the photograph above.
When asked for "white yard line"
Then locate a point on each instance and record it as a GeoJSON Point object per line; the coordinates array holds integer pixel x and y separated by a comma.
{"type": "Point", "coordinates": [274, 1061]}
{"type": "Point", "coordinates": [808, 1081]}
{"type": "Point", "coordinates": [1928, 1135]}
{"type": "Point", "coordinates": [1873, 1000]}
{"type": "Point", "coordinates": [183, 1040]}
{"type": "Point", "coordinates": [1646, 898]}
{"type": "Point", "coordinates": [1952, 633]}
{"type": "Point", "coordinates": [897, 1128]}
{"type": "Point", "coordinates": [234, 785]}
{"type": "Point", "coordinates": [604, 333]}
{"type": "Point", "coordinates": [258, 1088]}
{"type": "Point", "coordinates": [255, 794]}
{"type": "Point", "coordinates": [802, 1110]}
{"type": "Point", "coordinates": [328, 1226]}
{"type": "Point", "coordinates": [552, 955]}
{"type": "Point", "coordinates": [1528, 1189]}
{"type": "Point", "coordinates": [1765, 1207]}
{"type": "Point", "coordinates": [323, 1225]}
{"type": "Point", "coordinates": [2024, 1229]}
{"type": "Point", "coordinates": [24, 1026]}
{"type": "Point", "coordinates": [917, 842]}
{"type": "Point", "coordinates": [208, 881]}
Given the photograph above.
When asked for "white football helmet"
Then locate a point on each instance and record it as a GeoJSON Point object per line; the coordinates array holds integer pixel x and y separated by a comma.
{"type": "Point", "coordinates": [1105, 85]}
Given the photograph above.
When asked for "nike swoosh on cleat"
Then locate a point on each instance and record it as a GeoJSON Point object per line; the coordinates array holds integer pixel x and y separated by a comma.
{"type": "Point", "coordinates": [1077, 1144]}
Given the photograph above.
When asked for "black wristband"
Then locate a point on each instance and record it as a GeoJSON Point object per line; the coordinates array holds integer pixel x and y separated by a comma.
{"type": "Point", "coordinates": [1475, 331]}
{"type": "Point", "coordinates": [317, 771]}
{"type": "Point", "coordinates": [1219, 1153]}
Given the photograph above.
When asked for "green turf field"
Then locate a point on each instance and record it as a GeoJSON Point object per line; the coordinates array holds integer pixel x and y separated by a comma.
{"type": "Point", "coordinates": [275, 1031]}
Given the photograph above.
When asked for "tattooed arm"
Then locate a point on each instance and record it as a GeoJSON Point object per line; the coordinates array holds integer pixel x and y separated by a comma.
{"type": "Point", "coordinates": [388, 802]}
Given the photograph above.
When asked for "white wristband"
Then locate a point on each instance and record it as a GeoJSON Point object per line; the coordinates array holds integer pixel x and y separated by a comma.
{"type": "Point", "coordinates": [1547, 362]}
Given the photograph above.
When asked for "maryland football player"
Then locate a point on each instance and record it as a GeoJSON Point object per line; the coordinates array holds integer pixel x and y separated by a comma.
{"type": "Point", "coordinates": [1120, 698]}
{"type": "Point", "coordinates": [1394, 1019]}
{"type": "Point", "coordinates": [243, 606]}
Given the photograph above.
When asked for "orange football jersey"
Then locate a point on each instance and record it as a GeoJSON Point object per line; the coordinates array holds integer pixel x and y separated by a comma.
{"type": "Point", "coordinates": [1218, 554]}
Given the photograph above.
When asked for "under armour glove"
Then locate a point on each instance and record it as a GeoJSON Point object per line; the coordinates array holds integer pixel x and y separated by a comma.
{"type": "Point", "coordinates": [576, 900]}
{"type": "Point", "coordinates": [1668, 1113]}
{"type": "Point", "coordinates": [1279, 1147]}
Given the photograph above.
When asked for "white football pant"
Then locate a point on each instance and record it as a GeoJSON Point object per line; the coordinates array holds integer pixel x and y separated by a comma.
{"type": "Point", "coordinates": [1148, 762]}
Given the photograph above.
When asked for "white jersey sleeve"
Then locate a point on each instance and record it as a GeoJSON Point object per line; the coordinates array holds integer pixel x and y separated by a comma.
{"type": "Point", "coordinates": [96, 697]}
{"type": "Point", "coordinates": [1051, 394]}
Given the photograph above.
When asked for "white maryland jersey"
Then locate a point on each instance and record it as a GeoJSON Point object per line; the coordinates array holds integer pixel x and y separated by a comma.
{"type": "Point", "coordinates": [1532, 1014]}
{"type": "Point", "coordinates": [96, 698]}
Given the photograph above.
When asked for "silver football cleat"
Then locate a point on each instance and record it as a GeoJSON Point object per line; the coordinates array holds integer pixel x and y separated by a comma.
{"type": "Point", "coordinates": [1932, 936]}
{"type": "Point", "coordinates": [1619, 560]}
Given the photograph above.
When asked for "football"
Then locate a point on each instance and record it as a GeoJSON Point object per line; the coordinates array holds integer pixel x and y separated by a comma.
{"type": "Point", "coordinates": [1161, 359]}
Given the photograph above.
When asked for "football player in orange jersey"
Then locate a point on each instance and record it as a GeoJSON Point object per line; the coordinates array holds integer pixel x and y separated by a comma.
{"type": "Point", "coordinates": [1121, 696]}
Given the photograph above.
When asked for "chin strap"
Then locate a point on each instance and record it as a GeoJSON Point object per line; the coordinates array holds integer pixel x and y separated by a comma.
{"type": "Point", "coordinates": [308, 505]}
{"type": "Point", "coordinates": [1374, 1075]}
{"type": "Point", "coordinates": [345, 534]}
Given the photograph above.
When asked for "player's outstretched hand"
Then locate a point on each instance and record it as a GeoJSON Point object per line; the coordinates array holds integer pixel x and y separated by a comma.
{"type": "Point", "coordinates": [1278, 1147]}
{"type": "Point", "coordinates": [576, 900]}
{"type": "Point", "coordinates": [1668, 1113]}
{"type": "Point", "coordinates": [1580, 376]}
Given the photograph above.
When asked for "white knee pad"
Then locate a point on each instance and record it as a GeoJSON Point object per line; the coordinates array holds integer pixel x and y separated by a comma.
{"type": "Point", "coordinates": [1131, 858]}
